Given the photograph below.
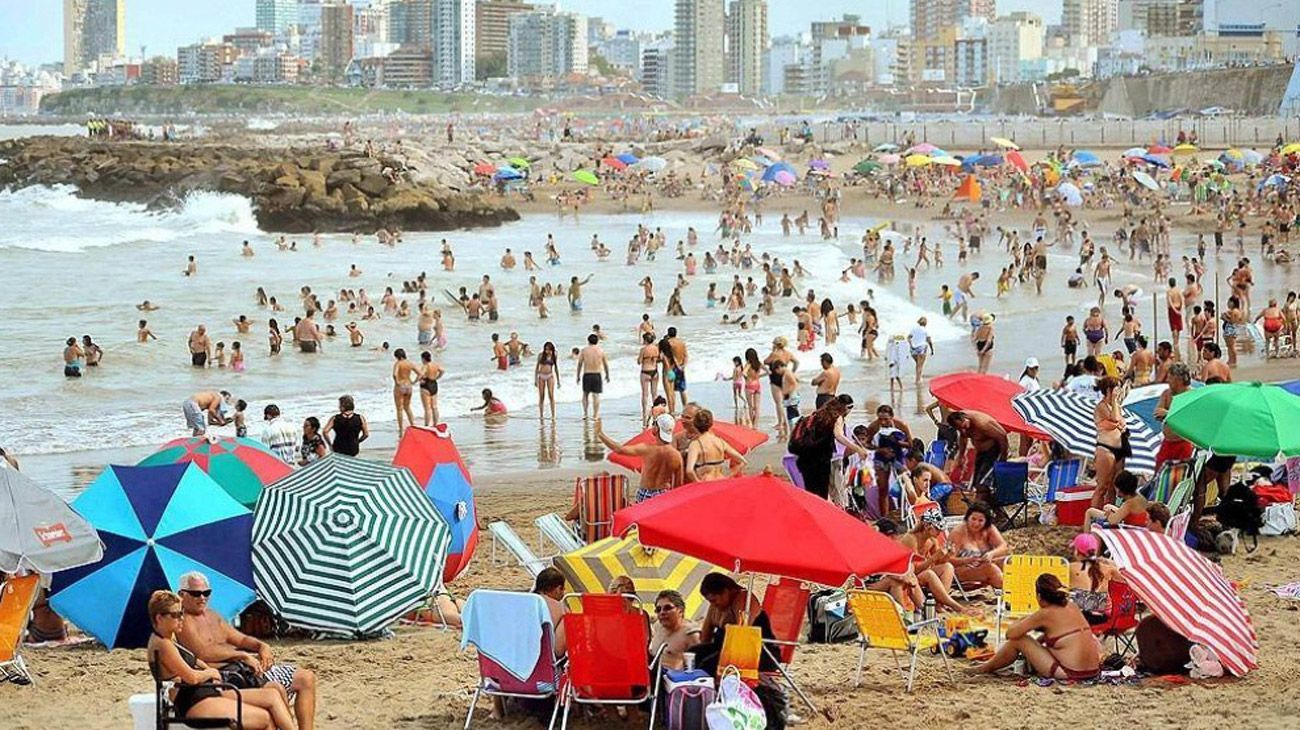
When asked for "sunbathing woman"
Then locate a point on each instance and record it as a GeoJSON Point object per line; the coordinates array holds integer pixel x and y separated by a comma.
{"type": "Point", "coordinates": [978, 547]}
{"type": "Point", "coordinates": [1090, 577]}
{"type": "Point", "coordinates": [1132, 509]}
{"type": "Point", "coordinates": [197, 695]}
{"type": "Point", "coordinates": [709, 458]}
{"type": "Point", "coordinates": [907, 588]}
{"type": "Point", "coordinates": [1068, 650]}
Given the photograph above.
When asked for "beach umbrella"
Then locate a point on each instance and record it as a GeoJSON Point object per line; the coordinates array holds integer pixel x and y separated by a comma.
{"type": "Point", "coordinates": [1290, 149]}
{"type": "Point", "coordinates": [1187, 592]}
{"type": "Point", "coordinates": [1070, 193]}
{"type": "Point", "coordinates": [347, 545]}
{"type": "Point", "coordinates": [1084, 158]}
{"type": "Point", "coordinates": [1017, 161]}
{"type": "Point", "coordinates": [761, 161]}
{"type": "Point", "coordinates": [886, 147]}
{"type": "Point", "coordinates": [1218, 166]}
{"type": "Point", "coordinates": [157, 523]}
{"type": "Point", "coordinates": [508, 173]}
{"type": "Point", "coordinates": [983, 161]}
{"type": "Point", "coordinates": [39, 531]}
{"type": "Point", "coordinates": [242, 466]}
{"type": "Point", "coordinates": [1239, 419]}
{"type": "Point", "coordinates": [969, 190]}
{"type": "Point", "coordinates": [764, 525]}
{"type": "Point", "coordinates": [519, 163]}
{"type": "Point", "coordinates": [746, 183]}
{"type": "Point", "coordinates": [1135, 152]}
{"type": "Point", "coordinates": [614, 163]}
{"type": "Point", "coordinates": [890, 159]}
{"type": "Point", "coordinates": [592, 568]}
{"type": "Point", "coordinates": [741, 438]}
{"type": "Point", "coordinates": [784, 178]}
{"type": "Point", "coordinates": [1159, 149]}
{"type": "Point", "coordinates": [919, 160]}
{"type": "Point", "coordinates": [434, 461]}
{"type": "Point", "coordinates": [1004, 143]}
{"type": "Point", "coordinates": [1146, 180]}
{"type": "Point", "coordinates": [1185, 149]}
{"type": "Point", "coordinates": [946, 161]}
{"type": "Point", "coordinates": [769, 175]}
{"type": "Point", "coordinates": [769, 153]}
{"type": "Point", "coordinates": [987, 394]}
{"type": "Point", "coordinates": [651, 164]}
{"type": "Point", "coordinates": [628, 158]}
{"type": "Point", "coordinates": [924, 148]}
{"type": "Point", "coordinates": [1067, 417]}
{"type": "Point", "coordinates": [484, 168]}
{"type": "Point", "coordinates": [586, 177]}
{"type": "Point", "coordinates": [1155, 160]}
{"type": "Point", "coordinates": [1232, 154]}
{"type": "Point", "coordinates": [866, 167]}
{"type": "Point", "coordinates": [742, 163]}
{"type": "Point", "coordinates": [1251, 157]}
{"type": "Point", "coordinates": [819, 164]}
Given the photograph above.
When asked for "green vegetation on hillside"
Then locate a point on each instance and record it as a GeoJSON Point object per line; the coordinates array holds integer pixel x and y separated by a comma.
{"type": "Point", "coordinates": [225, 98]}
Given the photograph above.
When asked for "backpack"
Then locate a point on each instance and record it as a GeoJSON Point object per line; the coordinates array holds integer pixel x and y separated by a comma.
{"type": "Point", "coordinates": [1239, 510]}
{"type": "Point", "coordinates": [829, 621]}
{"type": "Point", "coordinates": [803, 438]}
{"type": "Point", "coordinates": [686, 706]}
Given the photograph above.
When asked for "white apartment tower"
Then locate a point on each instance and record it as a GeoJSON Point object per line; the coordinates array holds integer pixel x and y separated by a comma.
{"type": "Point", "coordinates": [747, 41]}
{"type": "Point", "coordinates": [700, 32]}
{"type": "Point", "coordinates": [1013, 38]}
{"type": "Point", "coordinates": [453, 42]}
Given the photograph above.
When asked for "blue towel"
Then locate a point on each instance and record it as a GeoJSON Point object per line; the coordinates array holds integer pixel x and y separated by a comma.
{"type": "Point", "coordinates": [506, 626]}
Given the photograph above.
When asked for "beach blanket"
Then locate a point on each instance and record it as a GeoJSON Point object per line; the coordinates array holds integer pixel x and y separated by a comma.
{"type": "Point", "coordinates": [506, 627]}
{"type": "Point", "coordinates": [1290, 590]}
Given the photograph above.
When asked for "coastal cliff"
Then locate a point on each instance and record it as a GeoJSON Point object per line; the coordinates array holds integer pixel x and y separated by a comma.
{"type": "Point", "coordinates": [292, 190]}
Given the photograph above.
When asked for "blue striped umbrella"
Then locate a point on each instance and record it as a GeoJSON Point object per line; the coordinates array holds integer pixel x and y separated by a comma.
{"type": "Point", "coordinates": [1067, 417]}
{"type": "Point", "coordinates": [156, 523]}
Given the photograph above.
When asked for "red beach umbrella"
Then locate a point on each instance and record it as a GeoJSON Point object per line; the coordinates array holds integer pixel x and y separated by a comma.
{"type": "Point", "coordinates": [432, 457]}
{"type": "Point", "coordinates": [1017, 161]}
{"type": "Point", "coordinates": [741, 438]}
{"type": "Point", "coordinates": [987, 394]}
{"type": "Point", "coordinates": [761, 524]}
{"type": "Point", "coordinates": [485, 168]}
{"type": "Point", "coordinates": [614, 163]}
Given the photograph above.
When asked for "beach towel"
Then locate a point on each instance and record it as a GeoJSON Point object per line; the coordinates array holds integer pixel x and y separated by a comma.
{"type": "Point", "coordinates": [506, 627]}
{"type": "Point", "coordinates": [1289, 591]}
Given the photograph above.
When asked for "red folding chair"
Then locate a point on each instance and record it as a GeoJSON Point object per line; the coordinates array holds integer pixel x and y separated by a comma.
{"type": "Point", "coordinates": [598, 497]}
{"type": "Point", "coordinates": [786, 604]}
{"type": "Point", "coordinates": [609, 661]}
{"type": "Point", "coordinates": [1122, 619]}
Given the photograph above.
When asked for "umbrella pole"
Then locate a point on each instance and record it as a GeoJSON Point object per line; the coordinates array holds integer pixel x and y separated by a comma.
{"type": "Point", "coordinates": [794, 686]}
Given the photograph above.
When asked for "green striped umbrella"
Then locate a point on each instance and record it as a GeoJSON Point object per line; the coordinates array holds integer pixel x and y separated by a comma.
{"type": "Point", "coordinates": [347, 545]}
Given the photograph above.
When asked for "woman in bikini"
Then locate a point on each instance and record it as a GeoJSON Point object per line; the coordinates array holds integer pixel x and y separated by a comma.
{"type": "Point", "coordinates": [547, 375]}
{"type": "Point", "coordinates": [405, 375]}
{"type": "Point", "coordinates": [1090, 577]}
{"type": "Point", "coordinates": [1068, 650]}
{"type": "Point", "coordinates": [754, 372]}
{"type": "Point", "coordinates": [978, 547]}
{"type": "Point", "coordinates": [709, 458]}
{"type": "Point", "coordinates": [1112, 439]}
{"type": "Point", "coordinates": [430, 372]}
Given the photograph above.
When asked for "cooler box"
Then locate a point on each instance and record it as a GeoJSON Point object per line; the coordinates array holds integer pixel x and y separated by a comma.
{"type": "Point", "coordinates": [1072, 503]}
{"type": "Point", "coordinates": [143, 711]}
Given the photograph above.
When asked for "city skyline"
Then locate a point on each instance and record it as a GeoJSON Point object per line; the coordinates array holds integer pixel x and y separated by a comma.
{"type": "Point", "coordinates": [32, 33]}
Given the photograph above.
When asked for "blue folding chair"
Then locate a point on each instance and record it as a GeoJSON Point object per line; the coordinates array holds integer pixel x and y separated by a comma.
{"type": "Point", "coordinates": [1011, 489]}
{"type": "Point", "coordinates": [1060, 473]}
{"type": "Point", "coordinates": [937, 454]}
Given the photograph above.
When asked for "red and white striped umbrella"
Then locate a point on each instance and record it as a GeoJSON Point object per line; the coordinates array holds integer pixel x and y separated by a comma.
{"type": "Point", "coordinates": [1187, 592]}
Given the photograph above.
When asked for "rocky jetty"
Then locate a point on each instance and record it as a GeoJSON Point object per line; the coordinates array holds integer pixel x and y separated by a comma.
{"type": "Point", "coordinates": [293, 190]}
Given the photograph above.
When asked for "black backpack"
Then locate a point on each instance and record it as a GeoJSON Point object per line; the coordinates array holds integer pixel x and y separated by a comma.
{"type": "Point", "coordinates": [803, 438]}
{"type": "Point", "coordinates": [1239, 510]}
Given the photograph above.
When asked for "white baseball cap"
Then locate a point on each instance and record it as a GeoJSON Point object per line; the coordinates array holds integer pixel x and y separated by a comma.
{"type": "Point", "coordinates": [1031, 363]}
{"type": "Point", "coordinates": [664, 425]}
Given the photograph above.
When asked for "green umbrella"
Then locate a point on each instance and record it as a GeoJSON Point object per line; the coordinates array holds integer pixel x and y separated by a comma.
{"type": "Point", "coordinates": [586, 176]}
{"type": "Point", "coordinates": [519, 163]}
{"type": "Point", "coordinates": [1238, 419]}
{"type": "Point", "coordinates": [867, 166]}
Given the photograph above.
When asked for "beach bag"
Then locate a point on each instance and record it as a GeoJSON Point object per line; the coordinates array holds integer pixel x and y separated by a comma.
{"type": "Point", "coordinates": [1204, 664]}
{"type": "Point", "coordinates": [735, 707]}
{"type": "Point", "coordinates": [803, 438]}
{"type": "Point", "coordinates": [241, 676]}
{"type": "Point", "coordinates": [688, 703]}
{"type": "Point", "coordinates": [1279, 519]}
{"type": "Point", "coordinates": [829, 621]}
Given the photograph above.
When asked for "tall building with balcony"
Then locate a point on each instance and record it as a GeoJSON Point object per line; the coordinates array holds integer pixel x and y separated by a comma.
{"type": "Point", "coordinates": [275, 16]}
{"type": "Point", "coordinates": [1014, 38]}
{"type": "Point", "coordinates": [747, 40]}
{"type": "Point", "coordinates": [91, 29]}
{"type": "Point", "coordinates": [410, 23]}
{"type": "Point", "coordinates": [1090, 22]}
{"type": "Point", "coordinates": [492, 26]}
{"type": "Point", "coordinates": [700, 31]}
{"type": "Point", "coordinates": [453, 42]}
{"type": "Point", "coordinates": [545, 44]}
{"type": "Point", "coordinates": [336, 21]}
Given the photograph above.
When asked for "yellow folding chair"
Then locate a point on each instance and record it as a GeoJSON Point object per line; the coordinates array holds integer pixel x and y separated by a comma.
{"type": "Point", "coordinates": [17, 597]}
{"type": "Point", "coordinates": [881, 626]}
{"type": "Point", "coordinates": [742, 647]}
{"type": "Point", "coordinates": [1019, 595]}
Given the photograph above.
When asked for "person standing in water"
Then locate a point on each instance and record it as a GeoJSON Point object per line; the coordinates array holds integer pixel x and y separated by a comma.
{"type": "Point", "coordinates": [430, 373]}
{"type": "Point", "coordinates": [591, 365]}
{"type": "Point", "coordinates": [547, 376]}
{"type": "Point", "coordinates": [405, 375]}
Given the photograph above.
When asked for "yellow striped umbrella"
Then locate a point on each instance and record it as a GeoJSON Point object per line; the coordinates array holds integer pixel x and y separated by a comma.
{"type": "Point", "coordinates": [591, 569]}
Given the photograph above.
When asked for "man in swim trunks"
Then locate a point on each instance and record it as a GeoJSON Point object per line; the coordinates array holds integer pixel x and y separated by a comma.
{"type": "Point", "coordinates": [208, 407]}
{"type": "Point", "coordinates": [990, 442]}
{"type": "Point", "coordinates": [661, 462]}
{"type": "Point", "coordinates": [827, 381]}
{"type": "Point", "coordinates": [499, 353]}
{"type": "Point", "coordinates": [424, 326]}
{"type": "Point", "coordinates": [200, 347]}
{"type": "Point", "coordinates": [591, 365]}
{"type": "Point", "coordinates": [307, 334]}
{"type": "Point", "coordinates": [1174, 447]}
{"type": "Point", "coordinates": [1174, 304]}
{"type": "Point", "coordinates": [575, 292]}
{"type": "Point", "coordinates": [677, 346]}
{"type": "Point", "coordinates": [515, 349]}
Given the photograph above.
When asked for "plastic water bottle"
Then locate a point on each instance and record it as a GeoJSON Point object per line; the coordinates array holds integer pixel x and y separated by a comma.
{"type": "Point", "coordinates": [929, 608]}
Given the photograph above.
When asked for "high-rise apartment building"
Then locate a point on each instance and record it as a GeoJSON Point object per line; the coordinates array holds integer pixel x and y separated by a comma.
{"type": "Point", "coordinates": [547, 44]}
{"type": "Point", "coordinates": [92, 28]}
{"type": "Point", "coordinates": [929, 17]}
{"type": "Point", "coordinates": [275, 16]}
{"type": "Point", "coordinates": [410, 23]}
{"type": "Point", "coordinates": [492, 26]}
{"type": "Point", "coordinates": [1090, 22]}
{"type": "Point", "coordinates": [700, 65]}
{"type": "Point", "coordinates": [336, 21]}
{"type": "Point", "coordinates": [747, 40]}
{"type": "Point", "coordinates": [453, 42]}
{"type": "Point", "coordinates": [1013, 38]}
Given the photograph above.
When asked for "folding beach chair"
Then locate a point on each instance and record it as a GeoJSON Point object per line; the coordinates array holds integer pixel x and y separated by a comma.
{"type": "Point", "coordinates": [1059, 474]}
{"type": "Point", "coordinates": [1182, 494]}
{"type": "Point", "coordinates": [1122, 620]}
{"type": "Point", "coordinates": [937, 454]}
{"type": "Point", "coordinates": [165, 712]}
{"type": "Point", "coordinates": [17, 597]}
{"type": "Point", "coordinates": [1177, 527]}
{"type": "Point", "coordinates": [553, 529]}
{"type": "Point", "coordinates": [1166, 479]}
{"type": "Point", "coordinates": [608, 659]}
{"type": "Point", "coordinates": [598, 497]}
{"type": "Point", "coordinates": [1011, 489]}
{"type": "Point", "coordinates": [495, 680]}
{"type": "Point", "coordinates": [881, 626]}
{"type": "Point", "coordinates": [1019, 595]}
{"type": "Point", "coordinates": [786, 604]}
{"type": "Point", "coordinates": [505, 536]}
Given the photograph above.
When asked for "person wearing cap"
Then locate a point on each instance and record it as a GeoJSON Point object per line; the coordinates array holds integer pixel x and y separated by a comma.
{"type": "Point", "coordinates": [661, 462]}
{"type": "Point", "coordinates": [1029, 376]}
{"type": "Point", "coordinates": [982, 337]}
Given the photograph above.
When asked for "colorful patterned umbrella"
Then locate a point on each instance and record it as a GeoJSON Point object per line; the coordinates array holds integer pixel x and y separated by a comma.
{"type": "Point", "coordinates": [242, 466]}
{"type": "Point", "coordinates": [347, 545]}
{"type": "Point", "coordinates": [435, 462]}
{"type": "Point", "coordinates": [592, 568]}
{"type": "Point", "coordinates": [157, 523]}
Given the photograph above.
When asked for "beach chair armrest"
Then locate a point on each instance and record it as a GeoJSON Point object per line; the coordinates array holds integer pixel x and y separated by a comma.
{"type": "Point", "coordinates": [918, 625]}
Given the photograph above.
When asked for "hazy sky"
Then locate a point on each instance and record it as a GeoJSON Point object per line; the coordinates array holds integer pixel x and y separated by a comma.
{"type": "Point", "coordinates": [31, 30]}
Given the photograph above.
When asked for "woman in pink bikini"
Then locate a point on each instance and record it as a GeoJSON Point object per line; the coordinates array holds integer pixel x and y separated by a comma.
{"type": "Point", "coordinates": [1067, 650]}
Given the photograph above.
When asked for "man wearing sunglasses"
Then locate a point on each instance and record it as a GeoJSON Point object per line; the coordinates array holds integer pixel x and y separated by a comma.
{"type": "Point", "coordinates": [221, 645]}
{"type": "Point", "coordinates": [672, 630]}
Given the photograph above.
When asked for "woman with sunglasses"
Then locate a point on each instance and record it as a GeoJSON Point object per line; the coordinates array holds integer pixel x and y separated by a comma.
{"type": "Point", "coordinates": [198, 694]}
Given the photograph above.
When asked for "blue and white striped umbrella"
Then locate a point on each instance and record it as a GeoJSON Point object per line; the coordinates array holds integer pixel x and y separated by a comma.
{"type": "Point", "coordinates": [1067, 417]}
{"type": "Point", "coordinates": [347, 545]}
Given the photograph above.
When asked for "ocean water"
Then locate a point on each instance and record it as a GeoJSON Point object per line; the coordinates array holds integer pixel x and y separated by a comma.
{"type": "Point", "coordinates": [73, 267]}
